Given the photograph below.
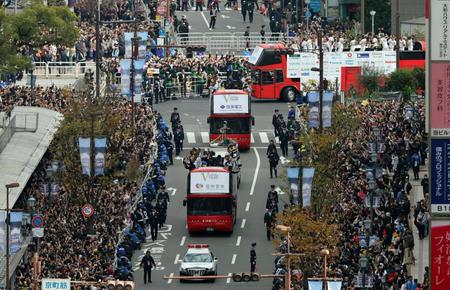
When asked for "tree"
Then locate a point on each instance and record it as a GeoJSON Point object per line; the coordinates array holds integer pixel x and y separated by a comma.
{"type": "Point", "coordinates": [370, 78]}
{"type": "Point", "coordinates": [34, 27]}
{"type": "Point", "coordinates": [407, 81]}
{"type": "Point", "coordinates": [382, 16]}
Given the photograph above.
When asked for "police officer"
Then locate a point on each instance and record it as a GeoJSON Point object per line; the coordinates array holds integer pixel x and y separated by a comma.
{"type": "Point", "coordinates": [175, 118]}
{"type": "Point", "coordinates": [276, 121]}
{"type": "Point", "coordinates": [268, 220]}
{"type": "Point", "coordinates": [147, 263]}
{"type": "Point", "coordinates": [253, 258]}
{"type": "Point", "coordinates": [250, 9]}
{"type": "Point", "coordinates": [178, 137]}
{"type": "Point", "coordinates": [273, 156]}
{"type": "Point", "coordinates": [244, 9]}
{"type": "Point", "coordinates": [284, 140]}
{"type": "Point", "coordinates": [153, 218]}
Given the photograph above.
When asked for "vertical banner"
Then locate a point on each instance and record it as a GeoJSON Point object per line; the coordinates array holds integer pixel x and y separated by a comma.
{"type": "Point", "coordinates": [439, 98]}
{"type": "Point", "coordinates": [138, 71]}
{"type": "Point", "coordinates": [334, 285]}
{"type": "Point", "coordinates": [2, 232]}
{"type": "Point", "coordinates": [313, 114]}
{"type": "Point", "coordinates": [315, 285]}
{"type": "Point", "coordinates": [439, 21]}
{"type": "Point", "coordinates": [16, 233]}
{"type": "Point", "coordinates": [292, 174]}
{"type": "Point", "coordinates": [327, 108]}
{"type": "Point", "coordinates": [440, 174]}
{"type": "Point", "coordinates": [440, 243]}
{"type": "Point", "coordinates": [85, 155]}
{"type": "Point", "coordinates": [308, 175]}
{"type": "Point", "coordinates": [142, 48]}
{"type": "Point", "coordinates": [54, 188]}
{"type": "Point", "coordinates": [100, 152]}
{"type": "Point", "coordinates": [128, 46]}
{"type": "Point", "coordinates": [125, 67]}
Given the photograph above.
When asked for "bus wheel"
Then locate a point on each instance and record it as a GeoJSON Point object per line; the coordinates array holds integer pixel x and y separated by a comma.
{"type": "Point", "coordinates": [289, 95]}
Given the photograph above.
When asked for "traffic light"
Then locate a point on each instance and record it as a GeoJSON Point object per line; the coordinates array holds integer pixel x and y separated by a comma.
{"type": "Point", "coordinates": [246, 277]}
{"type": "Point", "coordinates": [120, 285]}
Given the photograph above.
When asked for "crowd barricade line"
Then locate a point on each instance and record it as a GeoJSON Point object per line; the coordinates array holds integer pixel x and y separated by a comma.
{"type": "Point", "coordinates": [190, 89]}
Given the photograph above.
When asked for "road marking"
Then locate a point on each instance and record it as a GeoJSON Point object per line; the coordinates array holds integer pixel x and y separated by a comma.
{"type": "Point", "coordinates": [243, 223]}
{"type": "Point", "coordinates": [177, 257]}
{"type": "Point", "coordinates": [255, 177]}
{"type": "Point", "coordinates": [263, 137]}
{"type": "Point", "coordinates": [170, 280]}
{"type": "Point", "coordinates": [247, 207]}
{"type": "Point", "coordinates": [233, 260]}
{"type": "Point", "coordinates": [183, 239]}
{"type": "Point", "coordinates": [229, 279]}
{"type": "Point", "coordinates": [238, 242]}
{"type": "Point", "coordinates": [284, 160]}
{"type": "Point", "coordinates": [174, 190]}
{"type": "Point", "coordinates": [277, 140]}
{"type": "Point", "coordinates": [231, 27]}
{"type": "Point", "coordinates": [190, 137]}
{"type": "Point", "coordinates": [252, 140]}
{"type": "Point", "coordinates": [205, 137]}
{"type": "Point", "coordinates": [204, 18]}
{"type": "Point", "coordinates": [186, 114]}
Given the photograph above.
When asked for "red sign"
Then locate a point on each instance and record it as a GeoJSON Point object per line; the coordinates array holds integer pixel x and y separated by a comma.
{"type": "Point", "coordinates": [440, 256]}
{"type": "Point", "coordinates": [440, 94]}
{"type": "Point", "coordinates": [87, 210]}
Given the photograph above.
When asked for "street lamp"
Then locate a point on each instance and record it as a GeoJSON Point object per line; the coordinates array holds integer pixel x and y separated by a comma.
{"type": "Point", "coordinates": [372, 13]}
{"type": "Point", "coordinates": [31, 202]}
{"type": "Point", "coordinates": [325, 253]}
{"type": "Point", "coordinates": [8, 221]}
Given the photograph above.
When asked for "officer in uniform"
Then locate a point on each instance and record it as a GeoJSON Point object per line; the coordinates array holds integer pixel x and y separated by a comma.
{"type": "Point", "coordinates": [268, 220]}
{"type": "Point", "coordinates": [153, 218]}
{"type": "Point", "coordinates": [147, 263]}
{"type": "Point", "coordinates": [253, 258]}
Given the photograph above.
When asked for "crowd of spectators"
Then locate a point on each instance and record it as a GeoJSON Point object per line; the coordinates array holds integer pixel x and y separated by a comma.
{"type": "Point", "coordinates": [391, 250]}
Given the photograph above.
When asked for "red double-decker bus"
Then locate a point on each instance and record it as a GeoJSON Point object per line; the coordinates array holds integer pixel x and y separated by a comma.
{"type": "Point", "coordinates": [230, 118]}
{"type": "Point", "coordinates": [211, 199]}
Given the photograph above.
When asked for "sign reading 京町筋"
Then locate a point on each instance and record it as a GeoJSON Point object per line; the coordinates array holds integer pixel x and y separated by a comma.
{"type": "Point", "coordinates": [55, 284]}
{"type": "Point", "coordinates": [440, 245]}
{"type": "Point", "coordinates": [230, 103]}
{"type": "Point", "coordinates": [210, 182]}
{"type": "Point", "coordinates": [440, 176]}
{"type": "Point", "coordinates": [439, 97]}
{"type": "Point", "coordinates": [440, 34]}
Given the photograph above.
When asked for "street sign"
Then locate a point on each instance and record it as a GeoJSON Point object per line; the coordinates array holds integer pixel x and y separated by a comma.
{"type": "Point", "coordinates": [87, 210]}
{"type": "Point", "coordinates": [55, 284]}
{"type": "Point", "coordinates": [440, 174]}
{"type": "Point", "coordinates": [37, 221]}
{"type": "Point", "coordinates": [38, 232]}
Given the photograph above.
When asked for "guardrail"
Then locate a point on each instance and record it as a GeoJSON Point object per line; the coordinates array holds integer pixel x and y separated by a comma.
{"type": "Point", "coordinates": [8, 131]}
{"type": "Point", "coordinates": [228, 41]}
{"type": "Point", "coordinates": [62, 69]}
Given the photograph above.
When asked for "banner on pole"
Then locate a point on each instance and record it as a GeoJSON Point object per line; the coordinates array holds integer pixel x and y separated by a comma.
{"type": "Point", "coordinates": [315, 285]}
{"type": "Point", "coordinates": [125, 67]}
{"type": "Point", "coordinates": [313, 114]}
{"type": "Point", "coordinates": [327, 108]}
{"type": "Point", "coordinates": [85, 155]}
{"type": "Point", "coordinates": [308, 175]}
{"type": "Point", "coordinates": [440, 174]}
{"type": "Point", "coordinates": [334, 285]}
{"type": "Point", "coordinates": [16, 233]}
{"type": "Point", "coordinates": [138, 71]}
{"type": "Point", "coordinates": [142, 48]}
{"type": "Point", "coordinates": [292, 174]}
{"type": "Point", "coordinates": [100, 152]}
{"type": "Point", "coordinates": [128, 45]}
{"type": "Point", "coordinates": [440, 231]}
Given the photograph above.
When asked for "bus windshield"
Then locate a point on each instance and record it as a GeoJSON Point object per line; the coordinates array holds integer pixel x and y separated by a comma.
{"type": "Point", "coordinates": [234, 125]}
{"type": "Point", "coordinates": [209, 206]}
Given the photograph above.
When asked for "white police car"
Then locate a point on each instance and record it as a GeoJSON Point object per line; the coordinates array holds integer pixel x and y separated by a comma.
{"type": "Point", "coordinates": [198, 261]}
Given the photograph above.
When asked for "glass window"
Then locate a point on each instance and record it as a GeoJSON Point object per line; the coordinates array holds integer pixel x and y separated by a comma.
{"type": "Point", "coordinates": [280, 76]}
{"type": "Point", "coordinates": [234, 125]}
{"type": "Point", "coordinates": [209, 206]}
{"type": "Point", "coordinates": [267, 77]}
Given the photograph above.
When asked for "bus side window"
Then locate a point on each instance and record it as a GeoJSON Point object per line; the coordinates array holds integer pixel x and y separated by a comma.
{"type": "Point", "coordinates": [279, 76]}
{"type": "Point", "coordinates": [267, 77]}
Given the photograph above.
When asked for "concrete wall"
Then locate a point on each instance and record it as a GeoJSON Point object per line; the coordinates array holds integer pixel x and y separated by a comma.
{"type": "Point", "coordinates": [409, 9]}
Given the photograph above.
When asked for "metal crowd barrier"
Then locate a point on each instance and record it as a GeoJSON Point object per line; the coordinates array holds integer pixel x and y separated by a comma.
{"type": "Point", "coordinates": [62, 69]}
{"type": "Point", "coordinates": [187, 90]}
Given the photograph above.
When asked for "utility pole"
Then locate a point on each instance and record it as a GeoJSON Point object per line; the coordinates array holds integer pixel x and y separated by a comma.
{"type": "Point", "coordinates": [362, 12]}
{"type": "Point", "coordinates": [134, 56]}
{"type": "Point", "coordinates": [397, 31]}
{"type": "Point", "coordinates": [167, 19]}
{"type": "Point", "coordinates": [320, 35]}
{"type": "Point", "coordinates": [97, 50]}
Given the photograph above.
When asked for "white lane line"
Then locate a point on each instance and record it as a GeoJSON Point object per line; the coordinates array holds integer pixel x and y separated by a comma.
{"type": "Point", "coordinates": [174, 190]}
{"type": "Point", "coordinates": [243, 223]}
{"type": "Point", "coordinates": [177, 257]}
{"type": "Point", "coordinates": [170, 280]}
{"type": "Point", "coordinates": [204, 18]}
{"type": "Point", "coordinates": [277, 140]}
{"type": "Point", "coordinates": [247, 207]}
{"type": "Point", "coordinates": [238, 241]}
{"type": "Point", "coordinates": [183, 239]}
{"type": "Point", "coordinates": [252, 139]}
{"type": "Point", "coordinates": [264, 138]}
{"type": "Point", "coordinates": [255, 177]}
{"type": "Point", "coordinates": [233, 260]}
{"type": "Point", "coordinates": [205, 137]}
{"type": "Point", "coordinates": [190, 137]}
{"type": "Point", "coordinates": [229, 279]}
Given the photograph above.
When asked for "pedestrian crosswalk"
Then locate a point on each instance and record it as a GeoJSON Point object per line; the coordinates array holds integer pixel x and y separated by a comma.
{"type": "Point", "coordinates": [262, 137]}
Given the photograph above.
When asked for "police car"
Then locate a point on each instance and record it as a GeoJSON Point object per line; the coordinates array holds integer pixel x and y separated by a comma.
{"type": "Point", "coordinates": [198, 261]}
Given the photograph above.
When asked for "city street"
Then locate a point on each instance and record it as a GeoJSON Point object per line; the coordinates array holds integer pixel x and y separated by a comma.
{"type": "Point", "coordinates": [232, 251]}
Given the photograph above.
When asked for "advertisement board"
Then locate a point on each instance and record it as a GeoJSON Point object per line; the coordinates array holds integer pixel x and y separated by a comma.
{"type": "Point", "coordinates": [209, 182]}
{"type": "Point", "coordinates": [439, 21]}
{"type": "Point", "coordinates": [230, 104]}
{"type": "Point", "coordinates": [440, 176]}
{"type": "Point", "coordinates": [439, 97]}
{"type": "Point", "coordinates": [293, 66]}
{"type": "Point", "coordinates": [440, 243]}
{"type": "Point", "coordinates": [55, 284]}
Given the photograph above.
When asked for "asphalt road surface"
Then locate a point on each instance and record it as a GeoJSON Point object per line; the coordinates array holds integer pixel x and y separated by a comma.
{"type": "Point", "coordinates": [232, 251]}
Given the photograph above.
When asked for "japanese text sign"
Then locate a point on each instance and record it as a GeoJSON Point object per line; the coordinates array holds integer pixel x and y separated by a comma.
{"type": "Point", "coordinates": [440, 255]}
{"type": "Point", "coordinates": [440, 97]}
{"type": "Point", "coordinates": [440, 176]}
{"type": "Point", "coordinates": [55, 284]}
{"type": "Point", "coordinates": [210, 182]}
{"type": "Point", "coordinates": [230, 103]}
{"type": "Point", "coordinates": [439, 22]}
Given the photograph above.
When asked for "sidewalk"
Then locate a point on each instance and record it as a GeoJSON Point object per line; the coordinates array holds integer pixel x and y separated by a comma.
{"type": "Point", "coordinates": [421, 247]}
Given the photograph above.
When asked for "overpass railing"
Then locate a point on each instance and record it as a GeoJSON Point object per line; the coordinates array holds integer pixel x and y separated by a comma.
{"type": "Point", "coordinates": [62, 69]}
